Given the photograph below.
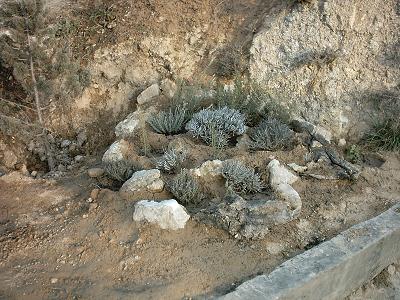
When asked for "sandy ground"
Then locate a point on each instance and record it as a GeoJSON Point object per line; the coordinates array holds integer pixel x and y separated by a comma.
{"type": "Point", "coordinates": [56, 245]}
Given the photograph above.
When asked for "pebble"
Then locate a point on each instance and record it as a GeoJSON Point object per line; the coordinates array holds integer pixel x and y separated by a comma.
{"type": "Point", "coordinates": [391, 270]}
{"type": "Point", "coordinates": [34, 173]}
{"type": "Point", "coordinates": [54, 280]}
{"type": "Point", "coordinates": [85, 216]}
{"type": "Point", "coordinates": [95, 172]}
{"type": "Point", "coordinates": [94, 193]}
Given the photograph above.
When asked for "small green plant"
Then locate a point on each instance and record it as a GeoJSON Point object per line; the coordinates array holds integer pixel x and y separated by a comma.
{"type": "Point", "coordinates": [171, 161]}
{"type": "Point", "coordinates": [170, 121]}
{"type": "Point", "coordinates": [216, 126]}
{"type": "Point", "coordinates": [120, 170]}
{"type": "Point", "coordinates": [185, 188]}
{"type": "Point", "coordinates": [240, 178]}
{"type": "Point", "coordinates": [354, 154]}
{"type": "Point", "coordinates": [271, 134]}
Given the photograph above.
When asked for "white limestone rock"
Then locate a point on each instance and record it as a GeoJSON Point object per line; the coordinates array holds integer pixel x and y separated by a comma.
{"type": "Point", "coordinates": [167, 214]}
{"type": "Point", "coordinates": [145, 180]}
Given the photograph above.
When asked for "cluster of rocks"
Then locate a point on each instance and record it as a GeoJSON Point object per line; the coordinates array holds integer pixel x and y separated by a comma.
{"type": "Point", "coordinates": [252, 219]}
{"type": "Point", "coordinates": [67, 153]}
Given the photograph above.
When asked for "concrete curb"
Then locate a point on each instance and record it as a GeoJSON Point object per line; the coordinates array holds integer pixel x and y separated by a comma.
{"type": "Point", "coordinates": [333, 269]}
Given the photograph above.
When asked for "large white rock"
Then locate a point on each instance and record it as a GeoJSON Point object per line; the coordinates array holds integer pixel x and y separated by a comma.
{"type": "Point", "coordinates": [148, 94]}
{"type": "Point", "coordinates": [145, 180]}
{"type": "Point", "coordinates": [134, 121]}
{"type": "Point", "coordinates": [278, 174]}
{"type": "Point", "coordinates": [116, 151]}
{"type": "Point", "coordinates": [167, 214]}
{"type": "Point", "coordinates": [280, 180]}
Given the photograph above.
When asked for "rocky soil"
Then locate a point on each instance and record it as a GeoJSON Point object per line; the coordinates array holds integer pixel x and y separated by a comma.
{"type": "Point", "coordinates": [61, 239]}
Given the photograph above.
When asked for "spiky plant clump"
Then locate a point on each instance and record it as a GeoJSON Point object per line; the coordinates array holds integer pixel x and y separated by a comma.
{"type": "Point", "coordinates": [120, 170]}
{"type": "Point", "coordinates": [185, 188]}
{"type": "Point", "coordinates": [171, 161]}
{"type": "Point", "coordinates": [170, 121]}
{"type": "Point", "coordinates": [240, 178]}
{"type": "Point", "coordinates": [271, 134]}
{"type": "Point", "coordinates": [385, 135]}
{"type": "Point", "coordinates": [216, 125]}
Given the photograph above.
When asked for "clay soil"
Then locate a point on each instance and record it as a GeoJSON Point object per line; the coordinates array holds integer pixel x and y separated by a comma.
{"type": "Point", "coordinates": [54, 244]}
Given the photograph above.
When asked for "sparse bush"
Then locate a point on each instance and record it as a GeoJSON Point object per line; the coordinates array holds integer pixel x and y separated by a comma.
{"type": "Point", "coordinates": [251, 100]}
{"type": "Point", "coordinates": [171, 161]}
{"type": "Point", "coordinates": [120, 170]}
{"type": "Point", "coordinates": [271, 134]}
{"type": "Point", "coordinates": [385, 132]}
{"type": "Point", "coordinates": [168, 122]}
{"type": "Point", "coordinates": [240, 178]}
{"type": "Point", "coordinates": [216, 126]}
{"type": "Point", "coordinates": [185, 188]}
{"type": "Point", "coordinates": [385, 135]}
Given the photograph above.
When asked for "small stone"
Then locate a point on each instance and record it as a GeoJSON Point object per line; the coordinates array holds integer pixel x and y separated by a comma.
{"type": "Point", "coordinates": [95, 172]}
{"type": "Point", "coordinates": [34, 173]}
{"type": "Point", "coordinates": [9, 159]}
{"type": "Point", "coordinates": [24, 170]}
{"type": "Point", "coordinates": [167, 214]}
{"type": "Point", "coordinates": [209, 168]}
{"type": "Point", "coordinates": [149, 93]}
{"type": "Point", "coordinates": [54, 280]}
{"type": "Point", "coordinates": [90, 200]}
{"type": "Point", "coordinates": [297, 168]}
{"type": "Point", "coordinates": [94, 193]}
{"type": "Point", "coordinates": [85, 216]}
{"type": "Point", "coordinates": [316, 144]}
{"type": "Point", "coordinates": [81, 138]}
{"type": "Point", "coordinates": [391, 269]}
{"type": "Point", "coordinates": [342, 143]}
{"type": "Point", "coordinates": [65, 143]}
{"type": "Point", "coordinates": [79, 158]}
{"type": "Point", "coordinates": [61, 168]}
{"type": "Point", "coordinates": [93, 206]}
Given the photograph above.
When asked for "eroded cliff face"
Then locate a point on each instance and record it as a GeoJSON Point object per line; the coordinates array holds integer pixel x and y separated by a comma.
{"type": "Point", "coordinates": [326, 59]}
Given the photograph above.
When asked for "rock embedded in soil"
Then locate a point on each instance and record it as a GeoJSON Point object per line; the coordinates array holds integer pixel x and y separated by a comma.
{"type": "Point", "coordinates": [280, 180]}
{"type": "Point", "coordinates": [278, 174]}
{"type": "Point", "coordinates": [116, 152]}
{"type": "Point", "coordinates": [209, 168]}
{"type": "Point", "coordinates": [246, 219]}
{"type": "Point", "coordinates": [95, 172]}
{"type": "Point", "coordinates": [145, 180]}
{"type": "Point", "coordinates": [167, 214]}
{"type": "Point", "coordinates": [134, 121]}
{"type": "Point", "coordinates": [148, 94]}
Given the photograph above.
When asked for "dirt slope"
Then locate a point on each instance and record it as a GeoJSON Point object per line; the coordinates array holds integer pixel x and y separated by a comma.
{"type": "Point", "coordinates": [54, 244]}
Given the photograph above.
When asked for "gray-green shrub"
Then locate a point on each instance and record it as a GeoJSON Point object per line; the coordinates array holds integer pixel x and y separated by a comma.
{"type": "Point", "coordinates": [240, 178]}
{"type": "Point", "coordinates": [271, 134]}
{"type": "Point", "coordinates": [120, 170]}
{"type": "Point", "coordinates": [216, 126]}
{"type": "Point", "coordinates": [170, 121]}
{"type": "Point", "coordinates": [186, 188]}
{"type": "Point", "coordinates": [171, 161]}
